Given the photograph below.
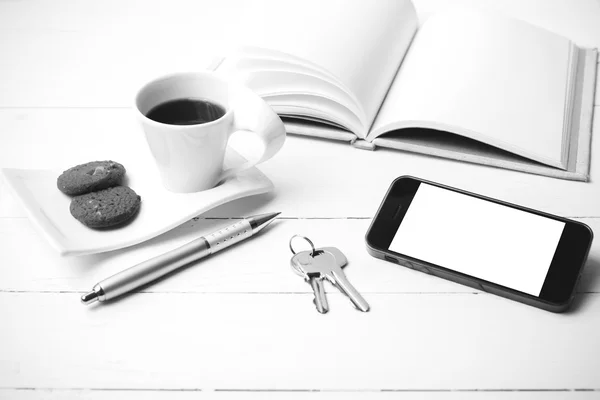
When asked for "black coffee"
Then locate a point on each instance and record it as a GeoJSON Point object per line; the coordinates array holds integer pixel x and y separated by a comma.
{"type": "Point", "coordinates": [186, 112]}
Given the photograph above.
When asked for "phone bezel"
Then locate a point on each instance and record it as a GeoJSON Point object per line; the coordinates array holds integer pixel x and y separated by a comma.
{"type": "Point", "coordinates": [565, 268]}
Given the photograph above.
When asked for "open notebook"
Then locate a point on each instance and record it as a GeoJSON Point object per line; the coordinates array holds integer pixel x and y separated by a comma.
{"type": "Point", "coordinates": [466, 85]}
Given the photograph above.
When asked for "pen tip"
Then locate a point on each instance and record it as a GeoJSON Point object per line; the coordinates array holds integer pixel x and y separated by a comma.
{"type": "Point", "coordinates": [259, 222]}
{"type": "Point", "coordinates": [89, 297]}
{"type": "Point", "coordinates": [269, 216]}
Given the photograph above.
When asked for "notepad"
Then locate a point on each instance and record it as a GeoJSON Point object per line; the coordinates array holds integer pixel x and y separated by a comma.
{"type": "Point", "coordinates": [466, 85]}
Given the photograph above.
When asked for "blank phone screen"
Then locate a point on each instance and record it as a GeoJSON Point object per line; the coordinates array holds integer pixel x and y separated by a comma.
{"type": "Point", "coordinates": [489, 241]}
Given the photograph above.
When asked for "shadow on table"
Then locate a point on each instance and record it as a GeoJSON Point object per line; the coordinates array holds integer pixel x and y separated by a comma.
{"type": "Point", "coordinates": [589, 284]}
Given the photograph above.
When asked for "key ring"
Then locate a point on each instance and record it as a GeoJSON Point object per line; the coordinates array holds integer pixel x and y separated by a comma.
{"type": "Point", "coordinates": [312, 253]}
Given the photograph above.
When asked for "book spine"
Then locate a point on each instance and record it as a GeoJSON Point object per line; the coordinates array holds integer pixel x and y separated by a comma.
{"type": "Point", "coordinates": [583, 111]}
{"type": "Point", "coordinates": [363, 144]}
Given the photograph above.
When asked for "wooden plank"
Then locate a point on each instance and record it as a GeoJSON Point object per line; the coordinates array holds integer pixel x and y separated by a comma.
{"type": "Point", "coordinates": [71, 15]}
{"type": "Point", "coordinates": [260, 265]}
{"type": "Point", "coordinates": [240, 322]}
{"type": "Point", "coordinates": [273, 341]}
{"type": "Point", "coordinates": [313, 178]}
{"type": "Point", "coordinates": [64, 39]}
{"type": "Point", "coordinates": [139, 41]}
{"type": "Point", "coordinates": [77, 63]}
{"type": "Point", "coordinates": [53, 394]}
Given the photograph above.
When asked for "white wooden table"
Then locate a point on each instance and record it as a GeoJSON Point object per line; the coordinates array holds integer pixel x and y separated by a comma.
{"type": "Point", "coordinates": [242, 325]}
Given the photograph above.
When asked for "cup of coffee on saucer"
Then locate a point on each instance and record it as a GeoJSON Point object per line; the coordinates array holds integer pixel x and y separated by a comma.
{"type": "Point", "coordinates": [188, 119]}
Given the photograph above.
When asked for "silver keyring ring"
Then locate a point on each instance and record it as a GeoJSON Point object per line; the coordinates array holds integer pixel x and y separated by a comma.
{"type": "Point", "coordinates": [305, 238]}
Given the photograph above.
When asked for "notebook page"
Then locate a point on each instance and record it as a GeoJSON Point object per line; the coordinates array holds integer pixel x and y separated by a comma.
{"type": "Point", "coordinates": [360, 42]}
{"type": "Point", "coordinates": [487, 77]}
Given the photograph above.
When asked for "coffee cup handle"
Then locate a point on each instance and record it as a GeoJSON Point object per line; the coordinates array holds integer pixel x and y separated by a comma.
{"type": "Point", "coordinates": [252, 114]}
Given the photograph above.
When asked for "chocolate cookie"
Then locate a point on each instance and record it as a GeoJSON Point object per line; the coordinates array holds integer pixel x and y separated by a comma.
{"type": "Point", "coordinates": [89, 177]}
{"type": "Point", "coordinates": [106, 208]}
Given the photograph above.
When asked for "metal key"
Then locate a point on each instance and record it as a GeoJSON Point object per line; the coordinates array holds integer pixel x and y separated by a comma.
{"type": "Point", "coordinates": [325, 263]}
{"type": "Point", "coordinates": [330, 262]}
{"type": "Point", "coordinates": [302, 263]}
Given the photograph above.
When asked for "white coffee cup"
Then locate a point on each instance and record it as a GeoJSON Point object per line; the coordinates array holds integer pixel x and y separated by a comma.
{"type": "Point", "coordinates": [190, 157]}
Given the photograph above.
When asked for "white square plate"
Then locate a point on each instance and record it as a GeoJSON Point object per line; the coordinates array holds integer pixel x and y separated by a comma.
{"type": "Point", "coordinates": [161, 210]}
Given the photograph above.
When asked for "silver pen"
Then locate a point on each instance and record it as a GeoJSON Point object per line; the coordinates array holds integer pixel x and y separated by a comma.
{"type": "Point", "coordinates": [150, 270]}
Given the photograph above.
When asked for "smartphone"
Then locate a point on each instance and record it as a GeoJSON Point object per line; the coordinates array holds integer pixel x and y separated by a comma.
{"type": "Point", "coordinates": [501, 248]}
